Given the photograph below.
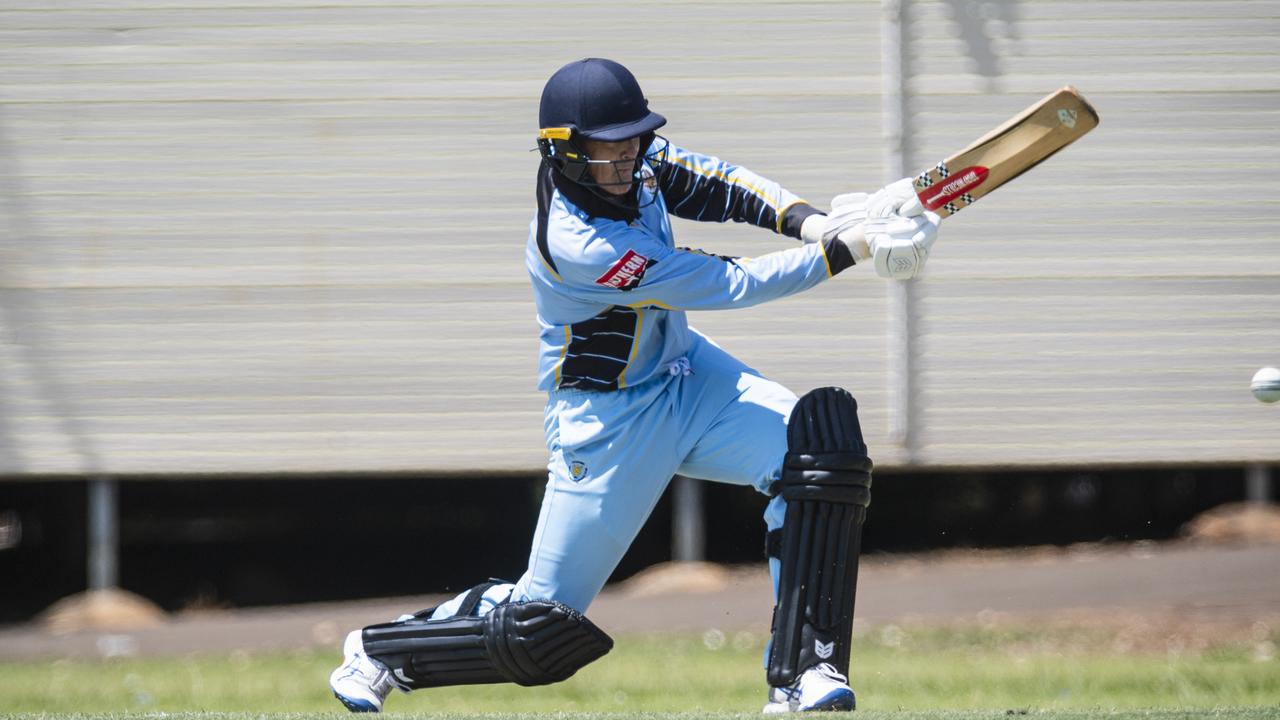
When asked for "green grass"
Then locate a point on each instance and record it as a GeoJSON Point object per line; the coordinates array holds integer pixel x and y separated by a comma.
{"type": "Point", "coordinates": [1239, 713]}
{"type": "Point", "coordinates": [935, 674]}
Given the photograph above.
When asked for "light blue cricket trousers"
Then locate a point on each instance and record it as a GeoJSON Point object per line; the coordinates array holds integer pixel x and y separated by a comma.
{"type": "Point", "coordinates": [613, 453]}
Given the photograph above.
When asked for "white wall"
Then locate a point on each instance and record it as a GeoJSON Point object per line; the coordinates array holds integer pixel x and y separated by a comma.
{"type": "Point", "coordinates": [262, 237]}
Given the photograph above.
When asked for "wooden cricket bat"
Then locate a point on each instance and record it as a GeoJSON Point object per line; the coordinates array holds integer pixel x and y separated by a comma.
{"type": "Point", "coordinates": [1003, 154]}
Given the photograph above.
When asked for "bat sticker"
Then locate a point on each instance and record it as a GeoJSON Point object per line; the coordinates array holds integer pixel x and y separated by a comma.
{"type": "Point", "coordinates": [958, 184]}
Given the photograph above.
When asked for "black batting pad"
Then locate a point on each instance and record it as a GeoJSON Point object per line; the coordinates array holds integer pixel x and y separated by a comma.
{"type": "Point", "coordinates": [535, 642]}
{"type": "Point", "coordinates": [826, 481]}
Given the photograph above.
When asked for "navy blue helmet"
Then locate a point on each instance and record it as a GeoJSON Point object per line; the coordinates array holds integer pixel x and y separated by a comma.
{"type": "Point", "coordinates": [595, 99]}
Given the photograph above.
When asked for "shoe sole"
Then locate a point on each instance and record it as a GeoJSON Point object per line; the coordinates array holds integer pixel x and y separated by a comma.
{"type": "Point", "coordinates": [356, 706]}
{"type": "Point", "coordinates": [838, 701]}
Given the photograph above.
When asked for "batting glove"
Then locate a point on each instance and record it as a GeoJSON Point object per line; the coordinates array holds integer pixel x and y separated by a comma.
{"type": "Point", "coordinates": [898, 197]}
{"type": "Point", "coordinates": [900, 245]}
{"type": "Point", "coordinates": [844, 223]}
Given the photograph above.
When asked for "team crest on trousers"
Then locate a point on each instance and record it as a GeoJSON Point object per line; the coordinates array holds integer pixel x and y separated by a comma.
{"type": "Point", "coordinates": [577, 470]}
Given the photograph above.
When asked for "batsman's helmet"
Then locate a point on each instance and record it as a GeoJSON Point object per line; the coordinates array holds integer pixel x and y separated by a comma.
{"type": "Point", "coordinates": [596, 99]}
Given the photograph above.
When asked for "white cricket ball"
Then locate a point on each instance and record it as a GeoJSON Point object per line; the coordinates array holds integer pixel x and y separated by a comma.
{"type": "Point", "coordinates": [1266, 385]}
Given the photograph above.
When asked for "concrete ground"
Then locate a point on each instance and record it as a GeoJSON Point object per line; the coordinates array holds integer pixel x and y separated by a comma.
{"type": "Point", "coordinates": [1212, 590]}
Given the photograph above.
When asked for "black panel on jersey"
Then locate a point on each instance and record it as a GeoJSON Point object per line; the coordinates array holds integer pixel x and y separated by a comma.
{"type": "Point", "coordinates": [545, 188]}
{"type": "Point", "coordinates": [700, 251]}
{"type": "Point", "coordinates": [697, 197]}
{"type": "Point", "coordinates": [599, 349]}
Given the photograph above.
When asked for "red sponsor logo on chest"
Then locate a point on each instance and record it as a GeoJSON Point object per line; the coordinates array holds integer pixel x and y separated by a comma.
{"type": "Point", "coordinates": [625, 273]}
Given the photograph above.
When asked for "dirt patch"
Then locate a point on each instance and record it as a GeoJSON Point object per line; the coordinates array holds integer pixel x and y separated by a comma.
{"type": "Point", "coordinates": [102, 610]}
{"type": "Point", "coordinates": [1236, 523]}
{"type": "Point", "coordinates": [676, 577]}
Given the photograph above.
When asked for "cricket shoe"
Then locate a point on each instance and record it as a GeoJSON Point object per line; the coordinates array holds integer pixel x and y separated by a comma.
{"type": "Point", "coordinates": [820, 687]}
{"type": "Point", "coordinates": [360, 683]}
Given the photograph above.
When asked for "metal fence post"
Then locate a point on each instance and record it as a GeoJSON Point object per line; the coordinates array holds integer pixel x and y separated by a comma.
{"type": "Point", "coordinates": [688, 526]}
{"type": "Point", "coordinates": [104, 533]}
{"type": "Point", "coordinates": [1257, 483]}
{"type": "Point", "coordinates": [903, 323]}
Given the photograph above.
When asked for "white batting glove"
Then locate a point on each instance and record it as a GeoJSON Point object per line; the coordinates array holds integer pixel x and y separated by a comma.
{"type": "Point", "coordinates": [900, 245]}
{"type": "Point", "coordinates": [898, 197]}
{"type": "Point", "coordinates": [848, 212]}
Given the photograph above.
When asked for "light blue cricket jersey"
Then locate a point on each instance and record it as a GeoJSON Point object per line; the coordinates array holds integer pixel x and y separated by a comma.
{"type": "Point", "coordinates": [611, 287]}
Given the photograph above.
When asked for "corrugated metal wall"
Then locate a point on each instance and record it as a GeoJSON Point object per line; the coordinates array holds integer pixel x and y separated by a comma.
{"type": "Point", "coordinates": [288, 237]}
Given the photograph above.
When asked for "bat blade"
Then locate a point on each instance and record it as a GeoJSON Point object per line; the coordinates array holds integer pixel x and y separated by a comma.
{"type": "Point", "coordinates": [1021, 143]}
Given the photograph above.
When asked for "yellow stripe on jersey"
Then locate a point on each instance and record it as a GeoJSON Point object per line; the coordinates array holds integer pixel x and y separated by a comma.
{"type": "Point", "coordinates": [568, 335]}
{"type": "Point", "coordinates": [651, 303]}
{"type": "Point", "coordinates": [550, 269]}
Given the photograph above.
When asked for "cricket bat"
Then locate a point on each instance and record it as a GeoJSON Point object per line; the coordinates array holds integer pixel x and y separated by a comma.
{"type": "Point", "coordinates": [1021, 143]}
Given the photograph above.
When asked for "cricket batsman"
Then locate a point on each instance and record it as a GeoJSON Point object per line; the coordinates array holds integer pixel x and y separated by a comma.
{"type": "Point", "coordinates": [635, 395]}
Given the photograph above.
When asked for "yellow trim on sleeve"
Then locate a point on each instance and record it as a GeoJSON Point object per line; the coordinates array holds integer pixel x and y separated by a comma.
{"type": "Point", "coordinates": [568, 336]}
{"type": "Point", "coordinates": [825, 259]}
{"type": "Point", "coordinates": [635, 346]}
{"type": "Point", "coordinates": [783, 212]}
{"type": "Point", "coordinates": [550, 269]}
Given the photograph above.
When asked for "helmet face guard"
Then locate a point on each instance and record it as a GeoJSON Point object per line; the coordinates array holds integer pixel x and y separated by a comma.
{"type": "Point", "coordinates": [560, 149]}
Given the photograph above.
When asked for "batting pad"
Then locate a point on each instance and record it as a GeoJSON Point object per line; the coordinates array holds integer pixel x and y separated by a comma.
{"type": "Point", "coordinates": [535, 642]}
{"type": "Point", "coordinates": [826, 481]}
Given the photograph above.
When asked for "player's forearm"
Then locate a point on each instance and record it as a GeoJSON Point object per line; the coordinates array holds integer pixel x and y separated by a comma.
{"type": "Point", "coordinates": [743, 282]}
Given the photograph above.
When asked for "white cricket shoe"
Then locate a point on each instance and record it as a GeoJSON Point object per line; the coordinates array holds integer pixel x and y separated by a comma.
{"type": "Point", "coordinates": [360, 683]}
{"type": "Point", "coordinates": [820, 687]}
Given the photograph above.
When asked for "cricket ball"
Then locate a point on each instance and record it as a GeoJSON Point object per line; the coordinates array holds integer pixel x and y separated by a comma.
{"type": "Point", "coordinates": [1266, 385]}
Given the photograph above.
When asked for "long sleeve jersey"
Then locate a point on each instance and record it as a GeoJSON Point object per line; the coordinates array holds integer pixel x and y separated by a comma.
{"type": "Point", "coordinates": [611, 287]}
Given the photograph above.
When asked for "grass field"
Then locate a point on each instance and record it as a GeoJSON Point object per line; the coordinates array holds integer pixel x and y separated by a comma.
{"type": "Point", "coordinates": [956, 673]}
{"type": "Point", "coordinates": [1097, 714]}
